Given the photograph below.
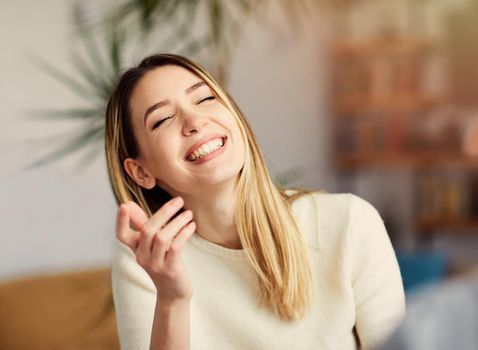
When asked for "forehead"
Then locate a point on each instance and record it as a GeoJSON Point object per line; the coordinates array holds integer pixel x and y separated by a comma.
{"type": "Point", "coordinates": [159, 84]}
{"type": "Point", "coordinates": [166, 80]}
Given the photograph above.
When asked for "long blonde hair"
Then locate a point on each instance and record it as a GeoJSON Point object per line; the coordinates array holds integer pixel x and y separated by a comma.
{"type": "Point", "coordinates": [268, 232]}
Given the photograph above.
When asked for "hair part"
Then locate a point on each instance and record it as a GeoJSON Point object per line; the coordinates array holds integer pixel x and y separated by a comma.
{"type": "Point", "coordinates": [269, 235]}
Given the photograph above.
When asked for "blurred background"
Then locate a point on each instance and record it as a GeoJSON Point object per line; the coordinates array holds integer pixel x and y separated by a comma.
{"type": "Point", "coordinates": [378, 98]}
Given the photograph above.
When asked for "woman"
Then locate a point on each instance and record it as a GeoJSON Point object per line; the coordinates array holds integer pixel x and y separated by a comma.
{"type": "Point", "coordinates": [210, 254]}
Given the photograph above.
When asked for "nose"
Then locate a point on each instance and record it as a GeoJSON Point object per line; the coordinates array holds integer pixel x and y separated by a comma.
{"type": "Point", "coordinates": [193, 122]}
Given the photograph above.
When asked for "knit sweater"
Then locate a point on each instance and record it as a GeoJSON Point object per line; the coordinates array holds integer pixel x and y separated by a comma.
{"type": "Point", "coordinates": [359, 299]}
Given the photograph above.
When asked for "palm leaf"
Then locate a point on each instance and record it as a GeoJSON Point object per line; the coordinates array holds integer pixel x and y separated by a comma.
{"type": "Point", "coordinates": [92, 76]}
{"type": "Point", "coordinates": [77, 143]}
{"type": "Point", "coordinates": [146, 11]}
{"type": "Point", "coordinates": [293, 12]}
{"type": "Point", "coordinates": [184, 28]}
{"type": "Point", "coordinates": [245, 5]}
{"type": "Point", "coordinates": [123, 23]}
{"type": "Point", "coordinates": [215, 12]}
{"type": "Point", "coordinates": [192, 47]}
{"type": "Point", "coordinates": [78, 88]}
{"type": "Point", "coordinates": [115, 49]}
{"type": "Point", "coordinates": [96, 148]}
{"type": "Point", "coordinates": [75, 113]}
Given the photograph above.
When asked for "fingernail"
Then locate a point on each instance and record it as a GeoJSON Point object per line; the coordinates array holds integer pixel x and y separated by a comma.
{"type": "Point", "coordinates": [177, 200]}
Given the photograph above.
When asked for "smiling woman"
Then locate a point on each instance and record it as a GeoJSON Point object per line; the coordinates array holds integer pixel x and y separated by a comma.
{"type": "Point", "coordinates": [210, 253]}
{"type": "Point", "coordinates": [173, 115]}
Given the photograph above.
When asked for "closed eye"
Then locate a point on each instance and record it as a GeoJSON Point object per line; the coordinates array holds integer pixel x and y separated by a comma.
{"type": "Point", "coordinates": [207, 98]}
{"type": "Point", "coordinates": [159, 122]}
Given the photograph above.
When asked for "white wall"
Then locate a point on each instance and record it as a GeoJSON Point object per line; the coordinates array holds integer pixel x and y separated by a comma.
{"type": "Point", "coordinates": [279, 80]}
{"type": "Point", "coordinates": [58, 218]}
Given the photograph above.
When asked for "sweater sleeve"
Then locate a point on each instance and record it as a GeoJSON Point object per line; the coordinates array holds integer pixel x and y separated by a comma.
{"type": "Point", "coordinates": [134, 297]}
{"type": "Point", "coordinates": [376, 280]}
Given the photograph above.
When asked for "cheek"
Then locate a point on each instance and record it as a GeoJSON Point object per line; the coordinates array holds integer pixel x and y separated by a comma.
{"type": "Point", "coordinates": [167, 154]}
{"type": "Point", "coordinates": [230, 123]}
{"type": "Point", "coordinates": [236, 130]}
{"type": "Point", "coordinates": [162, 154]}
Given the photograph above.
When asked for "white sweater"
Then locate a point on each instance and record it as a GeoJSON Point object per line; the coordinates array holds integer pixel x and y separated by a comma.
{"type": "Point", "coordinates": [360, 297]}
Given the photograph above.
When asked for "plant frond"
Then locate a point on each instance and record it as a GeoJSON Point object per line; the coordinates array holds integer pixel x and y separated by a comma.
{"type": "Point", "coordinates": [92, 76]}
{"type": "Point", "coordinates": [75, 113]}
{"type": "Point", "coordinates": [184, 28]}
{"type": "Point", "coordinates": [67, 80]}
{"type": "Point", "coordinates": [194, 46]}
{"type": "Point", "coordinates": [77, 143]}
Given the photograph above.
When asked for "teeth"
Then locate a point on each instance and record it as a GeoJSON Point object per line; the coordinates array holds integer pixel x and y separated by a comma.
{"type": "Point", "coordinates": [206, 149]}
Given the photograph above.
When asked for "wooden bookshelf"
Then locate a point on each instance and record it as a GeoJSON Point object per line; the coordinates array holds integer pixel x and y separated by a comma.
{"type": "Point", "coordinates": [424, 159]}
{"type": "Point", "coordinates": [446, 224]}
{"type": "Point", "coordinates": [356, 105]}
{"type": "Point", "coordinates": [380, 105]}
{"type": "Point", "coordinates": [385, 45]}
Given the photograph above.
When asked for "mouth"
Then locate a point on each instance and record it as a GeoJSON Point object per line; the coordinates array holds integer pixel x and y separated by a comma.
{"type": "Point", "coordinates": [206, 149]}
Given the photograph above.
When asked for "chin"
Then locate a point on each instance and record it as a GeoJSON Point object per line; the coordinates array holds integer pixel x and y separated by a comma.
{"type": "Point", "coordinates": [219, 177]}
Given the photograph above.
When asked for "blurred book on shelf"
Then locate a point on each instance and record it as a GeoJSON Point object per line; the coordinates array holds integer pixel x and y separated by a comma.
{"type": "Point", "coordinates": [461, 46]}
{"type": "Point", "coordinates": [444, 198]}
{"type": "Point", "coordinates": [403, 98]}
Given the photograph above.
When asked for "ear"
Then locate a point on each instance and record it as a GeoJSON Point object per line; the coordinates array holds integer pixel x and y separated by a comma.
{"type": "Point", "coordinates": [139, 174]}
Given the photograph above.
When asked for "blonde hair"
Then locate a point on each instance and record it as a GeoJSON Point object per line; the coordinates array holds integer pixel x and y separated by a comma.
{"type": "Point", "coordinates": [268, 232]}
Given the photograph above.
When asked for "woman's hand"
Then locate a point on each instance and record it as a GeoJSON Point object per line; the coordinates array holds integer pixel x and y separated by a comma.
{"type": "Point", "coordinates": [157, 245]}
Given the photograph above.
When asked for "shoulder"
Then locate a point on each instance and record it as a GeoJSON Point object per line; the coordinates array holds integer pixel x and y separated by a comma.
{"type": "Point", "coordinates": [323, 198]}
{"type": "Point", "coordinates": [337, 209]}
{"type": "Point", "coordinates": [325, 218]}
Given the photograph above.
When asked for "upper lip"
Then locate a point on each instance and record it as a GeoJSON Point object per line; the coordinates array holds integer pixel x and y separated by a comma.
{"type": "Point", "coordinates": [202, 142]}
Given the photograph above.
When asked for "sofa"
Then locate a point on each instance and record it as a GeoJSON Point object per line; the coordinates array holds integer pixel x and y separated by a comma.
{"type": "Point", "coordinates": [67, 311]}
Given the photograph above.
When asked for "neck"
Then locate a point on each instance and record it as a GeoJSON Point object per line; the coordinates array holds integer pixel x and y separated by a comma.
{"type": "Point", "coordinates": [213, 213]}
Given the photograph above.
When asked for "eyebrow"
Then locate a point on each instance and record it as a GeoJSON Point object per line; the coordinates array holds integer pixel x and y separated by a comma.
{"type": "Point", "coordinates": [167, 102]}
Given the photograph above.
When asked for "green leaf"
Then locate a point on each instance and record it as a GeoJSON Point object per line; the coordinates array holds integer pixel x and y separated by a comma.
{"type": "Point", "coordinates": [75, 113]}
{"type": "Point", "coordinates": [63, 78]}
{"type": "Point", "coordinates": [118, 14]}
{"type": "Point", "coordinates": [116, 39]}
{"type": "Point", "coordinates": [168, 10]}
{"type": "Point", "coordinates": [195, 45]}
{"type": "Point", "coordinates": [258, 16]}
{"type": "Point", "coordinates": [69, 147]}
{"type": "Point", "coordinates": [95, 149]}
{"type": "Point", "coordinates": [88, 41]}
{"type": "Point", "coordinates": [147, 9]}
{"type": "Point", "coordinates": [136, 19]}
{"type": "Point", "coordinates": [215, 11]}
{"type": "Point", "coordinates": [184, 28]}
{"type": "Point", "coordinates": [91, 77]}
{"type": "Point", "coordinates": [245, 5]}
{"type": "Point", "coordinates": [293, 13]}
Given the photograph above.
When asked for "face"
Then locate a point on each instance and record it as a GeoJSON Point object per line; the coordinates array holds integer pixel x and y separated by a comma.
{"type": "Point", "coordinates": [188, 140]}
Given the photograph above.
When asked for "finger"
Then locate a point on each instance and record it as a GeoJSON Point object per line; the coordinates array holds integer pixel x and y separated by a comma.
{"type": "Point", "coordinates": [144, 248]}
{"type": "Point", "coordinates": [181, 239]}
{"type": "Point", "coordinates": [173, 227]}
{"type": "Point", "coordinates": [163, 215]}
{"type": "Point", "coordinates": [136, 214]}
{"type": "Point", "coordinates": [123, 231]}
{"type": "Point", "coordinates": [152, 226]}
{"type": "Point", "coordinates": [163, 238]}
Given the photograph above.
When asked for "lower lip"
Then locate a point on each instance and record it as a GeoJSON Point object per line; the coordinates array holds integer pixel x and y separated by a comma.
{"type": "Point", "coordinates": [212, 155]}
